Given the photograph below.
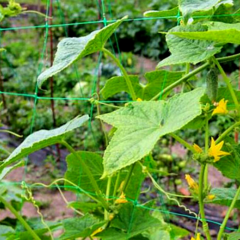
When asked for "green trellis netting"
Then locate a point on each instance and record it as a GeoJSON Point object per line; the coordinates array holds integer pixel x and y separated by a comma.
{"type": "Point", "coordinates": [48, 26]}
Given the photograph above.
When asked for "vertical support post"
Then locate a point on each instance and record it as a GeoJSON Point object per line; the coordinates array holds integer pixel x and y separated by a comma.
{"type": "Point", "coordinates": [51, 79]}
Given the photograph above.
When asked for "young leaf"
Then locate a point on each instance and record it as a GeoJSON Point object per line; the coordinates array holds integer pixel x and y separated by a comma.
{"type": "Point", "coordinates": [156, 81]}
{"type": "Point", "coordinates": [80, 227]}
{"type": "Point", "coordinates": [197, 51]}
{"type": "Point", "coordinates": [217, 32]}
{"type": "Point", "coordinates": [224, 196]}
{"type": "Point", "coordinates": [71, 49]}
{"type": "Point", "coordinates": [189, 6]}
{"type": "Point", "coordinates": [140, 125]}
{"type": "Point", "coordinates": [42, 139]}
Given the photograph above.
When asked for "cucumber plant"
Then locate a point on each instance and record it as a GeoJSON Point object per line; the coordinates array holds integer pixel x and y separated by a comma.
{"type": "Point", "coordinates": [112, 182]}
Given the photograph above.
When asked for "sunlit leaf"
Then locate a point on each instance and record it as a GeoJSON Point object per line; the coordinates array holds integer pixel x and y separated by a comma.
{"type": "Point", "coordinates": [217, 32]}
{"type": "Point", "coordinates": [189, 6]}
{"type": "Point", "coordinates": [71, 49]}
{"type": "Point", "coordinates": [140, 125]}
{"type": "Point", "coordinates": [42, 139]}
{"type": "Point", "coordinates": [188, 51]}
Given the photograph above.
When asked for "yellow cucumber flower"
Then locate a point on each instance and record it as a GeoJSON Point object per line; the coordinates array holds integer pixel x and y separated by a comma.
{"type": "Point", "coordinates": [191, 183]}
{"type": "Point", "coordinates": [139, 100]}
{"type": "Point", "coordinates": [221, 107]}
{"type": "Point", "coordinates": [197, 148]}
{"type": "Point", "coordinates": [215, 150]}
{"type": "Point", "coordinates": [210, 197]}
{"type": "Point", "coordinates": [121, 199]}
{"type": "Point", "coordinates": [197, 238]}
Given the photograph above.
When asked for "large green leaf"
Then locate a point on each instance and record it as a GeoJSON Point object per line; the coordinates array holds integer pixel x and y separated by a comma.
{"type": "Point", "coordinates": [224, 196]}
{"type": "Point", "coordinates": [112, 234]}
{"type": "Point", "coordinates": [233, 236]}
{"type": "Point", "coordinates": [223, 12]}
{"type": "Point", "coordinates": [5, 230]}
{"type": "Point", "coordinates": [237, 16]}
{"type": "Point", "coordinates": [85, 207]}
{"type": "Point", "coordinates": [76, 175]}
{"type": "Point", "coordinates": [118, 84]}
{"type": "Point", "coordinates": [189, 6]}
{"type": "Point", "coordinates": [177, 232]}
{"type": "Point", "coordinates": [71, 49]}
{"type": "Point", "coordinates": [80, 227]}
{"type": "Point", "coordinates": [41, 139]}
{"type": "Point", "coordinates": [38, 227]}
{"type": "Point", "coordinates": [225, 93]}
{"type": "Point", "coordinates": [230, 165]}
{"type": "Point", "coordinates": [132, 221]}
{"type": "Point", "coordinates": [140, 125]}
{"type": "Point", "coordinates": [94, 162]}
{"type": "Point", "coordinates": [164, 231]}
{"type": "Point", "coordinates": [188, 51]}
{"type": "Point", "coordinates": [217, 32]}
{"type": "Point", "coordinates": [156, 81]}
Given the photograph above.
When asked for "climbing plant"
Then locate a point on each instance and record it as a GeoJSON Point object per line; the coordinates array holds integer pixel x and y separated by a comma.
{"type": "Point", "coordinates": [112, 182]}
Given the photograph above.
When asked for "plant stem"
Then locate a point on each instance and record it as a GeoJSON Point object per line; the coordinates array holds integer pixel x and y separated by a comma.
{"type": "Point", "coordinates": [127, 179]}
{"type": "Point", "coordinates": [109, 105]}
{"type": "Point", "coordinates": [116, 183]}
{"type": "Point", "coordinates": [226, 132]}
{"type": "Point", "coordinates": [201, 204]}
{"type": "Point", "coordinates": [89, 174]}
{"type": "Point", "coordinates": [7, 131]}
{"type": "Point", "coordinates": [184, 78]}
{"type": "Point", "coordinates": [187, 68]}
{"type": "Point", "coordinates": [107, 196]}
{"type": "Point", "coordinates": [228, 58]}
{"type": "Point", "coordinates": [183, 142]}
{"type": "Point", "coordinates": [224, 223]}
{"type": "Point", "coordinates": [227, 81]}
{"type": "Point", "coordinates": [206, 152]}
{"type": "Point", "coordinates": [194, 72]}
{"type": "Point", "coordinates": [128, 81]}
{"type": "Point", "coordinates": [20, 218]}
{"type": "Point", "coordinates": [102, 126]}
